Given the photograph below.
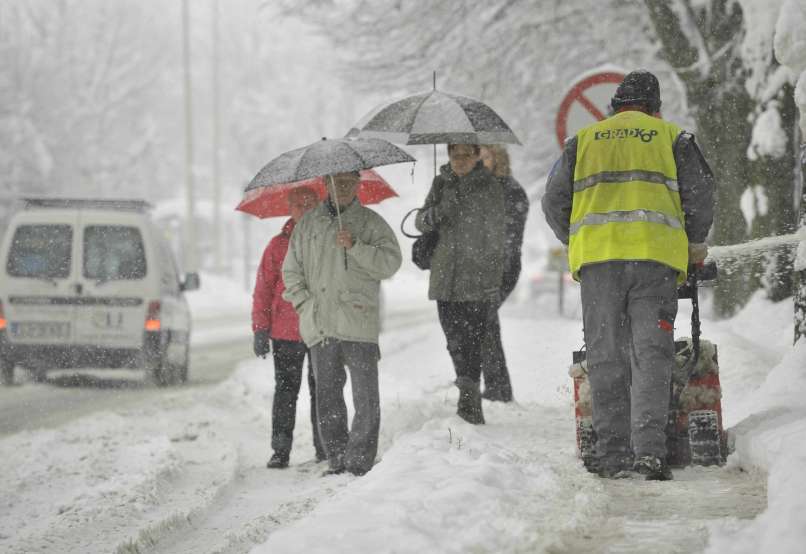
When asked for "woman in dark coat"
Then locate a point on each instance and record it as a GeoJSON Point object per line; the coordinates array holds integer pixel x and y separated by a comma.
{"type": "Point", "coordinates": [497, 385]}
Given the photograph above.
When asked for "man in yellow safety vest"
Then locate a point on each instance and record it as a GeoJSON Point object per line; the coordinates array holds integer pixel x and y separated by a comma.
{"type": "Point", "coordinates": [632, 199]}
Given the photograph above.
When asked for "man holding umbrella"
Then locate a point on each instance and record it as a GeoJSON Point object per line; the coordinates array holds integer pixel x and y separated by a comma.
{"type": "Point", "coordinates": [339, 253]}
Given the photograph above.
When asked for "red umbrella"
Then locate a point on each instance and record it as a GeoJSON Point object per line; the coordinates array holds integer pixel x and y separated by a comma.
{"type": "Point", "coordinates": [272, 200]}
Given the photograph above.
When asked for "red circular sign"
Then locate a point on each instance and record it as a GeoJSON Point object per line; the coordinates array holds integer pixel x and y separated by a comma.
{"type": "Point", "coordinates": [577, 94]}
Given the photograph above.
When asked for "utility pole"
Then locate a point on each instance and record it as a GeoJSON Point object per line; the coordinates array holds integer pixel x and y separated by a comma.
{"type": "Point", "coordinates": [800, 272]}
{"type": "Point", "coordinates": [191, 260]}
{"type": "Point", "coordinates": [216, 146]}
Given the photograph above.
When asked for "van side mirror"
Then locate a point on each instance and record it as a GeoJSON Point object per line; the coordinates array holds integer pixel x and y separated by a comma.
{"type": "Point", "coordinates": [192, 282]}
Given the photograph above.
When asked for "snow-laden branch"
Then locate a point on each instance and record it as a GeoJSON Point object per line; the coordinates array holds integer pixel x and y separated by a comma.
{"type": "Point", "coordinates": [755, 248]}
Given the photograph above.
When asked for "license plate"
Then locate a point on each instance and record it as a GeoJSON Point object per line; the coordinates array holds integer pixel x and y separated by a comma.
{"type": "Point", "coordinates": [39, 329]}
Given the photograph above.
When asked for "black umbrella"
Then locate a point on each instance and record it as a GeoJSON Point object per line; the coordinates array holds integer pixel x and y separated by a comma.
{"type": "Point", "coordinates": [435, 117]}
{"type": "Point", "coordinates": [327, 157]}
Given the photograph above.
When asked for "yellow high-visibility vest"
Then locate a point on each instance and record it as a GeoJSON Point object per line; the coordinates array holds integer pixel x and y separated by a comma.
{"type": "Point", "coordinates": [626, 202]}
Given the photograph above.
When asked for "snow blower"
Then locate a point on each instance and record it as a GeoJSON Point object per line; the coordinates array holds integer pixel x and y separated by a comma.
{"type": "Point", "coordinates": [694, 431]}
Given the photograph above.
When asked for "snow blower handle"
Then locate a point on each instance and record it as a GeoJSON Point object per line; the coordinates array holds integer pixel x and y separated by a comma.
{"type": "Point", "coordinates": [696, 273]}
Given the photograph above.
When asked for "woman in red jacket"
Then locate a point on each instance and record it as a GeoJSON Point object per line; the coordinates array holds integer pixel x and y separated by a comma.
{"type": "Point", "coordinates": [274, 318]}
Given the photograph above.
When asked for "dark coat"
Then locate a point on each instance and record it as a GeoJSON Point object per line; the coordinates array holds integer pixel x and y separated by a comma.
{"type": "Point", "coordinates": [516, 208]}
{"type": "Point", "coordinates": [468, 212]}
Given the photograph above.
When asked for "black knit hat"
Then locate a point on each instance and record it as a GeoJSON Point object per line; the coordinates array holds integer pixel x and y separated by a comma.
{"type": "Point", "coordinates": [639, 88]}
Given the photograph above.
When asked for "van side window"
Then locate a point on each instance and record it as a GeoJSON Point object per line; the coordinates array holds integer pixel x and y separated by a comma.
{"type": "Point", "coordinates": [41, 252]}
{"type": "Point", "coordinates": [169, 277]}
{"type": "Point", "coordinates": [113, 252]}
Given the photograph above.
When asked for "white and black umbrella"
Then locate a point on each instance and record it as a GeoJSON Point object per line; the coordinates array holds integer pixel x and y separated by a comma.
{"type": "Point", "coordinates": [327, 157]}
{"type": "Point", "coordinates": [435, 117]}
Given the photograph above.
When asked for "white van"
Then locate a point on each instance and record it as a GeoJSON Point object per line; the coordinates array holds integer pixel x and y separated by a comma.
{"type": "Point", "coordinates": [91, 283]}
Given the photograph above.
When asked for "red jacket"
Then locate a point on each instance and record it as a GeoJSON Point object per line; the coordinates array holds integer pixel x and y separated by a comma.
{"type": "Point", "coordinates": [269, 310]}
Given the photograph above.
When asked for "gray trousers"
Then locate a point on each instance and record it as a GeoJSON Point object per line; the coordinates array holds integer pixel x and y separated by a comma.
{"type": "Point", "coordinates": [354, 450]}
{"type": "Point", "coordinates": [629, 310]}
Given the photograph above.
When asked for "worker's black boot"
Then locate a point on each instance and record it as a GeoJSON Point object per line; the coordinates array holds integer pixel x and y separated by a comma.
{"type": "Point", "coordinates": [653, 468]}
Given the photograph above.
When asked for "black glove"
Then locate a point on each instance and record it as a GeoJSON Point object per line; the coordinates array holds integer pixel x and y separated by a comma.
{"type": "Point", "coordinates": [261, 344]}
{"type": "Point", "coordinates": [444, 210]}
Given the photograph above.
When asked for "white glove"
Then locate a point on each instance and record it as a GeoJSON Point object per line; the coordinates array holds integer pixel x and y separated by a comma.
{"type": "Point", "coordinates": [697, 252]}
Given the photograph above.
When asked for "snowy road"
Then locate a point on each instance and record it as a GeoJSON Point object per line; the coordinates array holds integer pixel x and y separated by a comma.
{"type": "Point", "coordinates": [68, 394]}
{"type": "Point", "coordinates": [185, 471]}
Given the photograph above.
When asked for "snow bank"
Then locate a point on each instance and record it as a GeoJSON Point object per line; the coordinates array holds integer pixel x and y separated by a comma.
{"type": "Point", "coordinates": [221, 310]}
{"type": "Point", "coordinates": [763, 393]}
{"type": "Point", "coordinates": [112, 479]}
{"type": "Point", "coordinates": [773, 438]}
{"type": "Point", "coordinates": [425, 497]}
{"type": "Point", "coordinates": [217, 296]}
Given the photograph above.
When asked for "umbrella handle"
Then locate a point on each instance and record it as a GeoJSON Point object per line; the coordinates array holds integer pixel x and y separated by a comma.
{"type": "Point", "coordinates": [338, 210]}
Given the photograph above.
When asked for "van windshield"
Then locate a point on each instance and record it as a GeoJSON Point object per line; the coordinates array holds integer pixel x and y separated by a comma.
{"type": "Point", "coordinates": [113, 252]}
{"type": "Point", "coordinates": [41, 252]}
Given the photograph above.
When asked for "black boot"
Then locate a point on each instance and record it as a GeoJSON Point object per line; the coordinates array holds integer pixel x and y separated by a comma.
{"type": "Point", "coordinates": [653, 468]}
{"type": "Point", "coordinates": [335, 466]}
{"type": "Point", "coordinates": [278, 460]}
{"type": "Point", "coordinates": [469, 405]}
{"type": "Point", "coordinates": [497, 394]}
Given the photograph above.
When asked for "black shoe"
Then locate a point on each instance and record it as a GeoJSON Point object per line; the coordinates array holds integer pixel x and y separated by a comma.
{"type": "Point", "coordinates": [653, 468]}
{"type": "Point", "coordinates": [614, 473]}
{"type": "Point", "coordinates": [469, 405]}
{"type": "Point", "coordinates": [278, 461]}
{"type": "Point", "coordinates": [320, 457]}
{"type": "Point", "coordinates": [333, 471]}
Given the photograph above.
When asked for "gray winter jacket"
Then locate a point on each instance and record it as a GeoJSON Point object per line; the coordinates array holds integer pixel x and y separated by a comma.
{"type": "Point", "coordinates": [694, 177]}
{"type": "Point", "coordinates": [468, 213]}
{"type": "Point", "coordinates": [334, 302]}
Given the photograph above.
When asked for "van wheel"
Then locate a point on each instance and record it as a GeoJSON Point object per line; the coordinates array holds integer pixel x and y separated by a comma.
{"type": "Point", "coordinates": [182, 369]}
{"type": "Point", "coordinates": [38, 374]}
{"type": "Point", "coordinates": [7, 371]}
{"type": "Point", "coordinates": [158, 369]}
{"type": "Point", "coordinates": [161, 373]}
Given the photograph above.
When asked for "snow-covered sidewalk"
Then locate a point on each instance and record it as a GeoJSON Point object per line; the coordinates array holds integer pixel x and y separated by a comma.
{"type": "Point", "coordinates": [188, 473]}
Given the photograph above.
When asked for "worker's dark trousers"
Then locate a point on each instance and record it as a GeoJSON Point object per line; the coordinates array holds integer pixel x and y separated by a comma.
{"type": "Point", "coordinates": [289, 357]}
{"type": "Point", "coordinates": [629, 310]}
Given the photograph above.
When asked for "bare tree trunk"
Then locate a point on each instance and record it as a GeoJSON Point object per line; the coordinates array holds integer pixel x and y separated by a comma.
{"type": "Point", "coordinates": [721, 107]}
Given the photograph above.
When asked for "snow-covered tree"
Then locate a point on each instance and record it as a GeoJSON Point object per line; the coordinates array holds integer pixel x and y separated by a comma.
{"type": "Point", "coordinates": [521, 55]}
{"type": "Point", "coordinates": [739, 98]}
{"type": "Point", "coordinates": [790, 49]}
{"type": "Point", "coordinates": [77, 82]}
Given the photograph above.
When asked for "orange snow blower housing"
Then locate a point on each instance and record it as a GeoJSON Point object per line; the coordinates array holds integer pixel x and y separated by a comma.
{"type": "Point", "coordinates": [694, 432]}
